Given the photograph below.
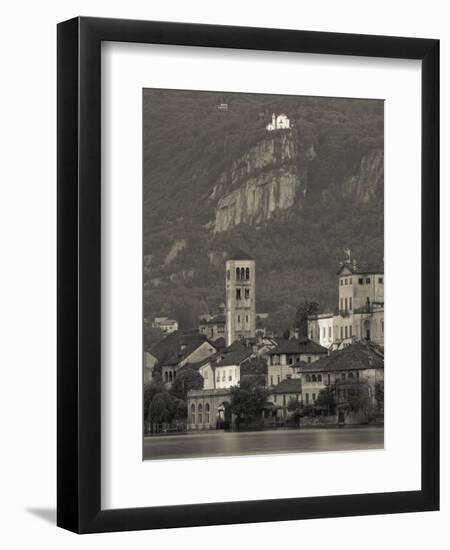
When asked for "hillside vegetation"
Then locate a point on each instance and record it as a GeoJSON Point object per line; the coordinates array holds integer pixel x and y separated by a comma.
{"type": "Point", "coordinates": [336, 172]}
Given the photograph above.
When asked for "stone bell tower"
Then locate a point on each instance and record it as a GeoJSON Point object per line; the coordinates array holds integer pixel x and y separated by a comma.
{"type": "Point", "coordinates": [240, 297]}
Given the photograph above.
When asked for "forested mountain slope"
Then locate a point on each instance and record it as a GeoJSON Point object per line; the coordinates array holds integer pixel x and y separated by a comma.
{"type": "Point", "coordinates": [216, 181]}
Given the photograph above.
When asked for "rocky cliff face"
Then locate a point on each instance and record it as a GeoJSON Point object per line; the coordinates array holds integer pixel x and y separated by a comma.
{"type": "Point", "coordinates": [365, 185]}
{"type": "Point", "coordinates": [261, 183]}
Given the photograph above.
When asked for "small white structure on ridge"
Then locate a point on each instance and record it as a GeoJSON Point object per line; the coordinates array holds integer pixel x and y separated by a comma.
{"type": "Point", "coordinates": [279, 122]}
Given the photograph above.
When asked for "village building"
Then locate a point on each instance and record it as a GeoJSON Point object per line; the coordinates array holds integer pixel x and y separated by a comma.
{"type": "Point", "coordinates": [288, 352]}
{"type": "Point", "coordinates": [358, 365]}
{"type": "Point", "coordinates": [240, 290]}
{"type": "Point", "coordinates": [360, 311]}
{"type": "Point", "coordinates": [279, 122]}
{"type": "Point", "coordinates": [173, 352]}
{"type": "Point", "coordinates": [165, 324]}
{"type": "Point", "coordinates": [209, 409]}
{"type": "Point", "coordinates": [282, 394]}
{"type": "Point", "coordinates": [214, 327]}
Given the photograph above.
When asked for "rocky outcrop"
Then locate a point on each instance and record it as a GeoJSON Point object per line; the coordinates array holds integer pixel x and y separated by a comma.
{"type": "Point", "coordinates": [177, 247]}
{"type": "Point", "coordinates": [365, 185]}
{"type": "Point", "coordinates": [257, 200]}
{"type": "Point", "coordinates": [259, 184]}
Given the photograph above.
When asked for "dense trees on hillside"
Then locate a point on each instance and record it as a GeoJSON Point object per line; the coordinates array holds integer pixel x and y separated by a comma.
{"type": "Point", "coordinates": [188, 143]}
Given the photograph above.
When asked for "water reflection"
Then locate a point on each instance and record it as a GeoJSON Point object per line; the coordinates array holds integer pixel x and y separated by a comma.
{"type": "Point", "coordinates": [218, 443]}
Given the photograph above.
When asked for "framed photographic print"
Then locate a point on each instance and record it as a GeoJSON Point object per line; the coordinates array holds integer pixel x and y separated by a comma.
{"type": "Point", "coordinates": [248, 223]}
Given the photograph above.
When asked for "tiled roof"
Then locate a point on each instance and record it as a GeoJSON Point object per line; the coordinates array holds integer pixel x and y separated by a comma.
{"type": "Point", "coordinates": [297, 346]}
{"type": "Point", "coordinates": [197, 364]}
{"type": "Point", "coordinates": [219, 344]}
{"type": "Point", "coordinates": [176, 346]}
{"type": "Point", "coordinates": [362, 268]}
{"type": "Point", "coordinates": [290, 385]}
{"type": "Point", "coordinates": [358, 356]}
{"type": "Point", "coordinates": [216, 320]}
{"type": "Point", "coordinates": [235, 356]}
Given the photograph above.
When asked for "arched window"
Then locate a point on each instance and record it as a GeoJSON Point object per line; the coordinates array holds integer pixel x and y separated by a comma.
{"type": "Point", "coordinates": [170, 376]}
{"type": "Point", "coordinates": [166, 376]}
{"type": "Point", "coordinates": [242, 274]}
{"type": "Point", "coordinates": [319, 378]}
{"type": "Point", "coordinates": [350, 375]}
{"type": "Point", "coordinates": [313, 377]}
{"type": "Point", "coordinates": [200, 414]}
{"type": "Point", "coordinates": [237, 274]}
{"type": "Point", "coordinates": [207, 413]}
{"type": "Point", "coordinates": [247, 273]}
{"type": "Point", "coordinates": [228, 274]}
{"type": "Point", "coordinates": [308, 378]}
{"type": "Point", "coordinates": [192, 413]}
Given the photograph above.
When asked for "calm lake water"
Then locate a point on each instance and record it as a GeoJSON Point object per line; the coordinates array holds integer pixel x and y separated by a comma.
{"type": "Point", "coordinates": [218, 443]}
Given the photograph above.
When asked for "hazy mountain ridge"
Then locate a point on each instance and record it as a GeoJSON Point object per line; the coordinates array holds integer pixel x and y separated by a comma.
{"type": "Point", "coordinates": [293, 199]}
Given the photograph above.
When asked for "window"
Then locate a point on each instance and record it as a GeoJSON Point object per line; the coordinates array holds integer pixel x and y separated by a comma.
{"type": "Point", "coordinates": [350, 329]}
{"type": "Point", "coordinates": [238, 294]}
{"type": "Point", "coordinates": [342, 282]}
{"type": "Point", "coordinates": [380, 280]}
{"type": "Point", "coordinates": [360, 281]}
{"type": "Point", "coordinates": [223, 375]}
{"type": "Point", "coordinates": [200, 414]}
{"type": "Point", "coordinates": [313, 396]}
{"type": "Point", "coordinates": [207, 413]}
{"type": "Point", "coordinates": [238, 274]}
{"type": "Point", "coordinates": [192, 413]}
{"type": "Point", "coordinates": [166, 376]}
{"type": "Point", "coordinates": [230, 377]}
{"type": "Point", "coordinates": [247, 274]}
{"type": "Point", "coordinates": [308, 359]}
{"type": "Point", "coordinates": [329, 332]}
{"type": "Point", "coordinates": [308, 378]}
{"type": "Point", "coordinates": [239, 319]}
{"type": "Point", "coordinates": [205, 375]}
{"type": "Point", "coordinates": [271, 380]}
{"type": "Point", "coordinates": [346, 281]}
{"type": "Point", "coordinates": [319, 378]}
{"type": "Point", "coordinates": [275, 398]}
{"type": "Point", "coordinates": [343, 377]}
{"type": "Point", "coordinates": [345, 328]}
{"type": "Point", "coordinates": [342, 333]}
{"type": "Point", "coordinates": [276, 360]}
{"type": "Point", "coordinates": [350, 305]}
{"type": "Point", "coordinates": [382, 327]}
{"type": "Point", "coordinates": [350, 375]}
{"type": "Point", "coordinates": [324, 332]}
{"type": "Point", "coordinates": [342, 303]}
{"type": "Point", "coordinates": [346, 304]}
{"type": "Point", "coordinates": [218, 376]}
{"type": "Point", "coordinates": [307, 398]}
{"type": "Point", "coordinates": [313, 378]}
{"type": "Point", "coordinates": [228, 274]}
{"type": "Point", "coordinates": [242, 274]}
{"type": "Point", "coordinates": [247, 293]}
{"type": "Point", "coordinates": [350, 281]}
{"type": "Point", "coordinates": [367, 280]}
{"type": "Point", "coordinates": [279, 379]}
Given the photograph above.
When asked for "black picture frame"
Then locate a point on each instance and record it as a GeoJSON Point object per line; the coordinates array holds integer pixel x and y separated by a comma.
{"type": "Point", "coordinates": [79, 281]}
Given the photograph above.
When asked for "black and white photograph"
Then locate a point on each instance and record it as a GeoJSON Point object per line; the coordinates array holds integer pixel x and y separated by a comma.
{"type": "Point", "coordinates": [263, 274]}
